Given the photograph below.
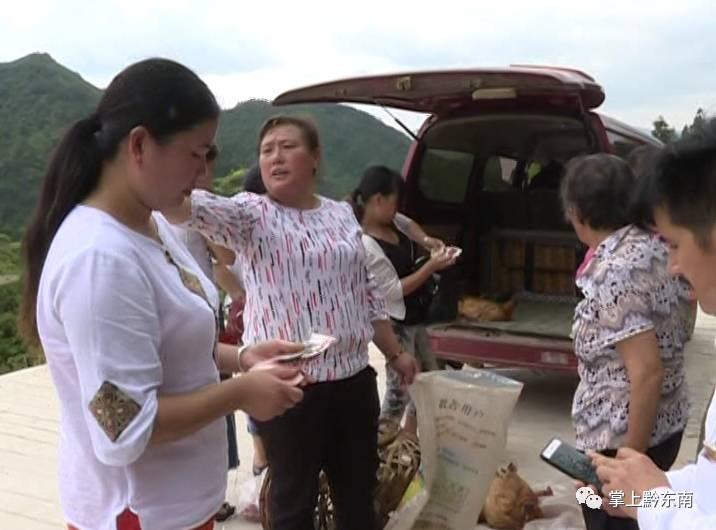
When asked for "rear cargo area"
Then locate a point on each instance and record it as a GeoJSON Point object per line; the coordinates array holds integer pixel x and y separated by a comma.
{"type": "Point", "coordinates": [490, 185]}
{"type": "Point", "coordinates": [537, 268]}
{"type": "Point", "coordinates": [548, 318]}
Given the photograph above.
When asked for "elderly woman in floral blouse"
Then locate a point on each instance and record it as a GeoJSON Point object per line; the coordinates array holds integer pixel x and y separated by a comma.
{"type": "Point", "coordinates": [630, 328]}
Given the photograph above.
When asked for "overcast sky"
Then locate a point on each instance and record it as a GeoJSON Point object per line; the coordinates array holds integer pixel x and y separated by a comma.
{"type": "Point", "coordinates": [652, 57]}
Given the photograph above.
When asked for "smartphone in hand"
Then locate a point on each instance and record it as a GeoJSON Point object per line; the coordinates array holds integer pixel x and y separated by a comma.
{"type": "Point", "coordinates": [571, 462]}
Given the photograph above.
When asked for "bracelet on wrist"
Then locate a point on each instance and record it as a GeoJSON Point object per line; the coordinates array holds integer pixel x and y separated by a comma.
{"type": "Point", "coordinates": [242, 349]}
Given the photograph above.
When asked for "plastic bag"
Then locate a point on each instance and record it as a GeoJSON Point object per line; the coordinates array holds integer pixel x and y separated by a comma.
{"type": "Point", "coordinates": [249, 498]}
{"type": "Point", "coordinates": [561, 511]}
{"type": "Point", "coordinates": [462, 418]}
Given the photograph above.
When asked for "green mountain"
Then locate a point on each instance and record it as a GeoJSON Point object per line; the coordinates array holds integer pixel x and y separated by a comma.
{"type": "Point", "coordinates": [39, 98]}
{"type": "Point", "coordinates": [12, 353]}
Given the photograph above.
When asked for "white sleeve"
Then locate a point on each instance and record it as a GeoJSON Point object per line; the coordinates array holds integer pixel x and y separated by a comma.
{"type": "Point", "coordinates": [225, 221]}
{"type": "Point", "coordinates": [376, 302]}
{"type": "Point", "coordinates": [662, 518]}
{"type": "Point", "coordinates": [682, 479]}
{"type": "Point", "coordinates": [383, 272]}
{"type": "Point", "coordinates": [402, 222]}
{"type": "Point", "coordinates": [106, 305]}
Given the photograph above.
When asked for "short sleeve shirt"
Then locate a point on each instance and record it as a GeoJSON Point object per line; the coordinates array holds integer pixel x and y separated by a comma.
{"type": "Point", "coordinates": [627, 291]}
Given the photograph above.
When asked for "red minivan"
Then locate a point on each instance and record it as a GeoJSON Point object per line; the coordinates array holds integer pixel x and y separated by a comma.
{"type": "Point", "coordinates": [483, 173]}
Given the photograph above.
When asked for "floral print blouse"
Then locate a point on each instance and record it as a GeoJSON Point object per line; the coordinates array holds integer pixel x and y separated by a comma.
{"type": "Point", "coordinates": [628, 290]}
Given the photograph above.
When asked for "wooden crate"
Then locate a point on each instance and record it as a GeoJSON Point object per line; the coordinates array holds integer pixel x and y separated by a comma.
{"type": "Point", "coordinates": [549, 259]}
{"type": "Point", "coordinates": [554, 283]}
{"type": "Point", "coordinates": [555, 258]}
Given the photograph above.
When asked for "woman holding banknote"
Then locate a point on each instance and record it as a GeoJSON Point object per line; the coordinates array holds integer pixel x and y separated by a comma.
{"type": "Point", "coordinates": [304, 272]}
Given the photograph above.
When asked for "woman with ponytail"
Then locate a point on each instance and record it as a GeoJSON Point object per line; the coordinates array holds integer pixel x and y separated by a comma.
{"type": "Point", "coordinates": [126, 318]}
{"type": "Point", "coordinates": [391, 260]}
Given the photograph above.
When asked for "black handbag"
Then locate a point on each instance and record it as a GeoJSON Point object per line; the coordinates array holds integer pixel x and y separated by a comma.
{"type": "Point", "coordinates": [426, 293]}
{"type": "Point", "coordinates": [443, 293]}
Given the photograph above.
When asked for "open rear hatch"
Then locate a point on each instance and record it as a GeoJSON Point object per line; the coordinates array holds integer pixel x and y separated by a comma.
{"type": "Point", "coordinates": [441, 91]}
{"type": "Point", "coordinates": [545, 342]}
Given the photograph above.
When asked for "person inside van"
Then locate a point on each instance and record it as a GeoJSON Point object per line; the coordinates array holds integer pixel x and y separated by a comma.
{"type": "Point", "coordinates": [391, 260]}
{"type": "Point", "coordinates": [682, 195]}
{"type": "Point", "coordinates": [630, 328]}
{"type": "Point", "coordinates": [548, 177]}
{"type": "Point", "coordinates": [127, 319]}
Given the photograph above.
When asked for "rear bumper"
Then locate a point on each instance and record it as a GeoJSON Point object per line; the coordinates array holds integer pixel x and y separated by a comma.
{"type": "Point", "coordinates": [469, 346]}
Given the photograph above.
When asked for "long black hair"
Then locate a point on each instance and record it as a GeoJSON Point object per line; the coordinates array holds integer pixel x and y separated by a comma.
{"type": "Point", "coordinates": [253, 182]}
{"type": "Point", "coordinates": [376, 180]}
{"type": "Point", "coordinates": [159, 94]}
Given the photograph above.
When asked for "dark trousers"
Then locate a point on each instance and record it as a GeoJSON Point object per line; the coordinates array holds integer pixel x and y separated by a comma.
{"type": "Point", "coordinates": [334, 428]}
{"type": "Point", "coordinates": [233, 444]}
{"type": "Point", "coordinates": [663, 455]}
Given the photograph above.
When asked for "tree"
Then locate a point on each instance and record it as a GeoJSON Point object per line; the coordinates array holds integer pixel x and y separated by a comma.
{"type": "Point", "coordinates": [230, 184]}
{"type": "Point", "coordinates": [663, 131]}
{"type": "Point", "coordinates": [13, 353]}
{"type": "Point", "coordinates": [698, 125]}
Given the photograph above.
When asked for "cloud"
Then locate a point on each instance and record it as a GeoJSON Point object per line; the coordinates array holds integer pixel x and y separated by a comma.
{"type": "Point", "coordinates": [652, 57]}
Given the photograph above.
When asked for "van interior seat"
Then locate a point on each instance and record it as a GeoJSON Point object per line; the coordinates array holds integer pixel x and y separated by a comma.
{"type": "Point", "coordinates": [504, 210]}
{"type": "Point", "coordinates": [545, 211]}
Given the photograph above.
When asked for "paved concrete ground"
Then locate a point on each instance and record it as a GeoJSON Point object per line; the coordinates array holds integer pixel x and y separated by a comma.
{"type": "Point", "coordinates": [29, 421]}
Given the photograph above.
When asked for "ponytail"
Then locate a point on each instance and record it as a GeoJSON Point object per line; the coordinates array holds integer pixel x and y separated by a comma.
{"type": "Point", "coordinates": [376, 180]}
{"type": "Point", "coordinates": [161, 95]}
{"type": "Point", "coordinates": [357, 203]}
{"type": "Point", "coordinates": [73, 172]}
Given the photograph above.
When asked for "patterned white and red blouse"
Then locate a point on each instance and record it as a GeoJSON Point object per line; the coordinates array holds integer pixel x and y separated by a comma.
{"type": "Point", "coordinates": [303, 271]}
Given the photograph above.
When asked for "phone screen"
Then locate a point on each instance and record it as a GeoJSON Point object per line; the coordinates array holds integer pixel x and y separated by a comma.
{"type": "Point", "coordinates": [571, 462]}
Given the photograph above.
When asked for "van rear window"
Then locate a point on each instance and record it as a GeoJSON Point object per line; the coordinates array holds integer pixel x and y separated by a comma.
{"type": "Point", "coordinates": [623, 145]}
{"type": "Point", "coordinates": [498, 174]}
{"type": "Point", "coordinates": [444, 175]}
